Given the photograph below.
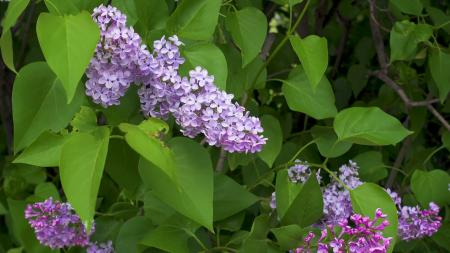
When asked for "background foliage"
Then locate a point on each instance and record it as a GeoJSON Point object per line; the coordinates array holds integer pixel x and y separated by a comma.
{"type": "Point", "coordinates": [330, 80]}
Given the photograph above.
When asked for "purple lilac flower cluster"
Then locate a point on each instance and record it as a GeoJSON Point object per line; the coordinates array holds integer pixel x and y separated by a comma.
{"type": "Point", "coordinates": [299, 172]}
{"type": "Point", "coordinates": [337, 204]}
{"type": "Point", "coordinates": [119, 59]}
{"type": "Point", "coordinates": [100, 247]}
{"type": "Point", "coordinates": [198, 106]}
{"type": "Point", "coordinates": [56, 225]}
{"type": "Point", "coordinates": [362, 235]}
{"type": "Point", "coordinates": [414, 222]}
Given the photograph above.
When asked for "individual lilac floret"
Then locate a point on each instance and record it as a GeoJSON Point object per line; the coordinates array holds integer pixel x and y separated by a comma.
{"type": "Point", "coordinates": [56, 225]}
{"type": "Point", "coordinates": [158, 94]}
{"type": "Point", "coordinates": [336, 199]}
{"type": "Point", "coordinates": [273, 201]}
{"type": "Point", "coordinates": [414, 223]}
{"type": "Point", "coordinates": [207, 110]}
{"type": "Point", "coordinates": [362, 235]}
{"type": "Point", "coordinates": [119, 59]}
{"type": "Point", "coordinates": [100, 248]}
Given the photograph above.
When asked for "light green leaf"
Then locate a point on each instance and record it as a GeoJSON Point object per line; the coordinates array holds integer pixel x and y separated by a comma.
{"type": "Point", "coordinates": [44, 152]}
{"type": "Point", "coordinates": [371, 166]}
{"type": "Point", "coordinates": [439, 65]}
{"type": "Point", "coordinates": [274, 135]}
{"type": "Point", "coordinates": [150, 147]}
{"type": "Point", "coordinates": [15, 9]}
{"type": "Point", "coordinates": [367, 197]}
{"type": "Point", "coordinates": [431, 186]}
{"type": "Point", "coordinates": [226, 203]}
{"type": "Point", "coordinates": [68, 44]}
{"type": "Point", "coordinates": [131, 233]}
{"type": "Point", "coordinates": [301, 96]}
{"type": "Point", "coordinates": [34, 112]}
{"type": "Point", "coordinates": [368, 126]}
{"type": "Point", "coordinates": [127, 7]}
{"type": "Point", "coordinates": [300, 204]}
{"type": "Point", "coordinates": [413, 7]}
{"type": "Point", "coordinates": [46, 190]}
{"type": "Point", "coordinates": [151, 14]}
{"type": "Point", "coordinates": [195, 19]}
{"type": "Point", "coordinates": [328, 143]}
{"type": "Point", "coordinates": [248, 28]}
{"type": "Point", "coordinates": [209, 57]}
{"type": "Point", "coordinates": [313, 54]}
{"type": "Point", "coordinates": [6, 47]}
{"type": "Point", "coordinates": [85, 120]}
{"type": "Point", "coordinates": [190, 190]}
{"type": "Point", "coordinates": [81, 168]}
{"type": "Point", "coordinates": [405, 37]}
{"type": "Point", "coordinates": [61, 7]}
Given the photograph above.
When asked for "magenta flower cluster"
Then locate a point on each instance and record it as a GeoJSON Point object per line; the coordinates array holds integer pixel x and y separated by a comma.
{"type": "Point", "coordinates": [362, 235]}
{"type": "Point", "coordinates": [196, 103]}
{"type": "Point", "coordinates": [57, 226]}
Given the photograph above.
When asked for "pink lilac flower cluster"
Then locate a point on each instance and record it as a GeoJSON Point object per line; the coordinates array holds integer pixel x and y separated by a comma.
{"type": "Point", "coordinates": [414, 222]}
{"type": "Point", "coordinates": [198, 106]}
{"type": "Point", "coordinates": [105, 247]}
{"type": "Point", "coordinates": [119, 59]}
{"type": "Point", "coordinates": [337, 204]}
{"type": "Point", "coordinates": [361, 235]}
{"type": "Point", "coordinates": [56, 225]}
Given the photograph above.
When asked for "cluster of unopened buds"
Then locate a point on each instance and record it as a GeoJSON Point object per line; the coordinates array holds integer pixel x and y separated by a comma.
{"type": "Point", "coordinates": [57, 226]}
{"type": "Point", "coordinates": [197, 105]}
{"type": "Point", "coordinates": [361, 235]}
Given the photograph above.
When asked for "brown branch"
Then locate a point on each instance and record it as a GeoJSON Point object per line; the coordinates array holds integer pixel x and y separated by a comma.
{"type": "Point", "coordinates": [439, 117]}
{"type": "Point", "coordinates": [377, 37]}
{"type": "Point", "coordinates": [400, 158]}
{"type": "Point", "coordinates": [221, 160]}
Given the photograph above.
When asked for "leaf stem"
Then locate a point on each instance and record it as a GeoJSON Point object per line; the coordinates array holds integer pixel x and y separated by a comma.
{"type": "Point", "coordinates": [281, 44]}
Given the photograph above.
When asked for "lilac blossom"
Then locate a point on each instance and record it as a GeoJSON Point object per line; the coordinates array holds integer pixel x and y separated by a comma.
{"type": "Point", "coordinates": [105, 247]}
{"type": "Point", "coordinates": [56, 225]}
{"type": "Point", "coordinates": [119, 59]}
{"type": "Point", "coordinates": [360, 236]}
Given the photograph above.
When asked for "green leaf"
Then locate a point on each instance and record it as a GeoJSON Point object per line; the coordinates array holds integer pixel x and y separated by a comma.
{"type": "Point", "coordinates": [150, 147]}
{"type": "Point", "coordinates": [439, 65]}
{"type": "Point", "coordinates": [288, 237]}
{"type": "Point", "coordinates": [405, 37]}
{"type": "Point", "coordinates": [44, 152]}
{"type": "Point", "coordinates": [6, 47]}
{"type": "Point", "coordinates": [3, 210]}
{"type": "Point", "coordinates": [195, 19]}
{"type": "Point", "coordinates": [318, 103]}
{"type": "Point", "coordinates": [151, 14]}
{"type": "Point", "coordinates": [256, 239]}
{"type": "Point", "coordinates": [368, 126]}
{"type": "Point", "coordinates": [81, 168]}
{"type": "Point", "coordinates": [15, 9]}
{"type": "Point", "coordinates": [413, 7]}
{"type": "Point", "coordinates": [367, 197]}
{"type": "Point", "coordinates": [85, 120]}
{"type": "Point", "coordinates": [431, 186]}
{"type": "Point", "coordinates": [328, 143]}
{"type": "Point", "coordinates": [313, 54]}
{"type": "Point", "coordinates": [122, 165]}
{"type": "Point", "coordinates": [442, 236]}
{"type": "Point", "coordinates": [371, 166]}
{"type": "Point", "coordinates": [274, 135]}
{"type": "Point", "coordinates": [226, 202]}
{"type": "Point", "coordinates": [446, 140]}
{"type": "Point", "coordinates": [248, 28]}
{"type": "Point", "coordinates": [209, 57]}
{"type": "Point", "coordinates": [34, 112]}
{"type": "Point", "coordinates": [22, 230]}
{"type": "Point", "coordinates": [300, 204]}
{"type": "Point", "coordinates": [46, 190]}
{"type": "Point", "coordinates": [357, 76]}
{"type": "Point", "coordinates": [61, 7]}
{"type": "Point", "coordinates": [129, 9]}
{"type": "Point", "coordinates": [131, 233]}
{"type": "Point", "coordinates": [190, 191]}
{"type": "Point", "coordinates": [68, 43]}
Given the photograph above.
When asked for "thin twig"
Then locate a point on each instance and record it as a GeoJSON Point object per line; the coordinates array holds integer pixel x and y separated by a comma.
{"type": "Point", "coordinates": [377, 38]}
{"type": "Point", "coordinates": [441, 118]}
{"type": "Point", "coordinates": [400, 158]}
{"type": "Point", "coordinates": [221, 160]}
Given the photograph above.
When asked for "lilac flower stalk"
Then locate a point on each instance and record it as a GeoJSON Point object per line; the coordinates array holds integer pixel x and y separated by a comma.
{"type": "Point", "coordinates": [120, 58]}
{"type": "Point", "coordinates": [361, 236]}
{"type": "Point", "coordinates": [56, 225]}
